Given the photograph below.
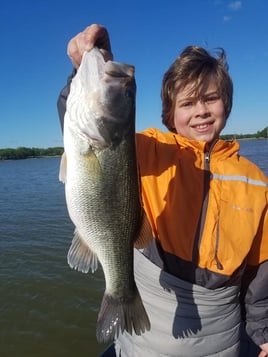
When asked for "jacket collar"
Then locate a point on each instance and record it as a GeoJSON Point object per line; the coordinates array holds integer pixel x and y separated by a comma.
{"type": "Point", "coordinates": [219, 148]}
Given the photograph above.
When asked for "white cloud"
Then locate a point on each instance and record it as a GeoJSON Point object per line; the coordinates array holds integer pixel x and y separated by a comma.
{"type": "Point", "coordinates": [235, 5]}
{"type": "Point", "coordinates": [226, 18]}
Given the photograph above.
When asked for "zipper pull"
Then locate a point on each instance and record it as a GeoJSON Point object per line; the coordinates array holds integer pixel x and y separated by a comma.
{"type": "Point", "coordinates": [218, 263]}
{"type": "Point", "coordinates": [207, 161]}
{"type": "Point", "coordinates": [207, 157]}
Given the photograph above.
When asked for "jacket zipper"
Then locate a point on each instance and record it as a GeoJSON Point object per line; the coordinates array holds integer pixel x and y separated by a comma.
{"type": "Point", "coordinates": [218, 263]}
{"type": "Point", "coordinates": [202, 217]}
{"type": "Point", "coordinates": [203, 213]}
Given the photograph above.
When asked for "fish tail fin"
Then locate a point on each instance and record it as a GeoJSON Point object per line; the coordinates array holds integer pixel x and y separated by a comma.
{"type": "Point", "coordinates": [116, 315]}
{"type": "Point", "coordinates": [80, 256]}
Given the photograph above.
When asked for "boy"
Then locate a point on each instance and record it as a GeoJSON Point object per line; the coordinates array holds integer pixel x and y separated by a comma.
{"type": "Point", "coordinates": [207, 207]}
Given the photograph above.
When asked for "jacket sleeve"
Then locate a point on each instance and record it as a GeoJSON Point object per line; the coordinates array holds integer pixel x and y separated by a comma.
{"type": "Point", "coordinates": [255, 290]}
{"type": "Point", "coordinates": [61, 103]}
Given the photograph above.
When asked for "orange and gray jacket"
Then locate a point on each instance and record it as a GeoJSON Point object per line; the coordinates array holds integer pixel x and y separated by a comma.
{"type": "Point", "coordinates": [208, 212]}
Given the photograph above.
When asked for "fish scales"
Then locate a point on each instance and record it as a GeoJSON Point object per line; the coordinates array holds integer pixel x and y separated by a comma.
{"type": "Point", "coordinates": [99, 170]}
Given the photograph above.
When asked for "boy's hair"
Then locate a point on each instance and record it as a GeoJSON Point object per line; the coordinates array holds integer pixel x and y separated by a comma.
{"type": "Point", "coordinates": [195, 65]}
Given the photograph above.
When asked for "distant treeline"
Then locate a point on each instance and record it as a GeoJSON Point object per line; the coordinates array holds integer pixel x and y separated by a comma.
{"type": "Point", "coordinates": [25, 153]}
{"type": "Point", "coordinates": [263, 134]}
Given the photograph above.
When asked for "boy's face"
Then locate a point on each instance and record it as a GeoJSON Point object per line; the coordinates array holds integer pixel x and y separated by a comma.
{"type": "Point", "coordinates": [199, 117]}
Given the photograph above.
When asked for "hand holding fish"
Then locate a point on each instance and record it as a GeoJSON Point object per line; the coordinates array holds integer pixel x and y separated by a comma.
{"type": "Point", "coordinates": [92, 36]}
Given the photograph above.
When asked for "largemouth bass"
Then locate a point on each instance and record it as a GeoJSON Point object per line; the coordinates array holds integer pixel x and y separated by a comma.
{"type": "Point", "coordinates": [102, 187]}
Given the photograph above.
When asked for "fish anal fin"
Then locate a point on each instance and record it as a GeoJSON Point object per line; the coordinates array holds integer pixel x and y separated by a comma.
{"type": "Point", "coordinates": [80, 257]}
{"type": "Point", "coordinates": [144, 235]}
{"type": "Point", "coordinates": [117, 316]}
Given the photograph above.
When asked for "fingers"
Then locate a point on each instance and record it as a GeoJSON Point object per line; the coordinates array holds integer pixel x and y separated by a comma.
{"type": "Point", "coordinates": [94, 35]}
{"type": "Point", "coordinates": [264, 350]}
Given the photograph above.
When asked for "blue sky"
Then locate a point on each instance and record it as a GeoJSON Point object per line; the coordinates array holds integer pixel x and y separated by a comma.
{"type": "Point", "coordinates": [148, 34]}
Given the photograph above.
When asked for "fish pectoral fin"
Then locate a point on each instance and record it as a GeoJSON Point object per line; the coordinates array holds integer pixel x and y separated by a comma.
{"type": "Point", "coordinates": [93, 164]}
{"type": "Point", "coordinates": [144, 235]}
{"type": "Point", "coordinates": [80, 257]}
{"type": "Point", "coordinates": [63, 168]}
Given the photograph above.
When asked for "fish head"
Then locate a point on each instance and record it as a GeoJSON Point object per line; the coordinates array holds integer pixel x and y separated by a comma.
{"type": "Point", "coordinates": [102, 99]}
{"type": "Point", "coordinates": [118, 94]}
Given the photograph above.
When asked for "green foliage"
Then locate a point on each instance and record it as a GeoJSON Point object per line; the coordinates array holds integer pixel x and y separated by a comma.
{"type": "Point", "coordinates": [263, 134]}
{"type": "Point", "coordinates": [25, 153]}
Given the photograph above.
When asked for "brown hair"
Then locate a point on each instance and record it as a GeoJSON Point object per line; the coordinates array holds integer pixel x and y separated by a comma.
{"type": "Point", "coordinates": [195, 65]}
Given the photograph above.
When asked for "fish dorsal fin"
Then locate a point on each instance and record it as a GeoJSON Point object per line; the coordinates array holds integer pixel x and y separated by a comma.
{"type": "Point", "coordinates": [80, 257]}
{"type": "Point", "coordinates": [144, 235]}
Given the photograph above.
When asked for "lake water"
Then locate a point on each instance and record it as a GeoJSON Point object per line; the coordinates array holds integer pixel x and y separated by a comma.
{"type": "Point", "coordinates": [47, 309]}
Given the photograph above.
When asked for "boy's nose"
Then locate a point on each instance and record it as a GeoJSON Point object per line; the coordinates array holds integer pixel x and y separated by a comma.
{"type": "Point", "coordinates": [201, 108]}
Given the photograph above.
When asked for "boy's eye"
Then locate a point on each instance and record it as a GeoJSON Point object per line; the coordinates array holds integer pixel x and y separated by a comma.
{"type": "Point", "coordinates": [186, 104]}
{"type": "Point", "coordinates": [212, 99]}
